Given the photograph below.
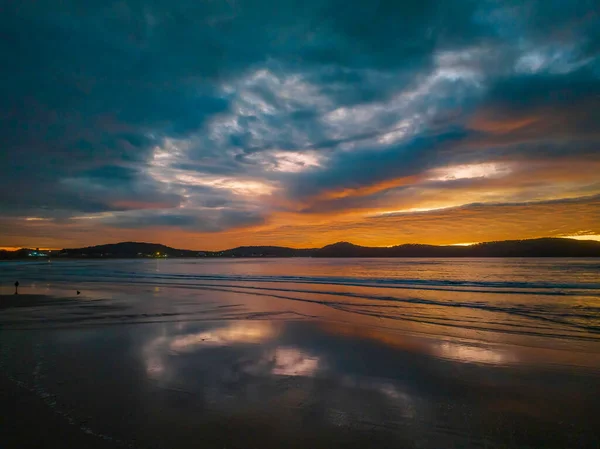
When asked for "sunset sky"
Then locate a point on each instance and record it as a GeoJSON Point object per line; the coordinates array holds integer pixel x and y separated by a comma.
{"type": "Point", "coordinates": [217, 123]}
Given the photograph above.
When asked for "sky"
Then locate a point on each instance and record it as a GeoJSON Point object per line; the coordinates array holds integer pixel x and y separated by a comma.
{"type": "Point", "coordinates": [217, 123]}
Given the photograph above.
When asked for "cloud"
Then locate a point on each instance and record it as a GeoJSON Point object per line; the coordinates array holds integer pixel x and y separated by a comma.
{"type": "Point", "coordinates": [208, 116]}
{"type": "Point", "coordinates": [535, 104]}
{"type": "Point", "coordinates": [463, 224]}
{"type": "Point", "coordinates": [209, 220]}
{"type": "Point", "coordinates": [366, 167]}
{"type": "Point", "coordinates": [469, 223]}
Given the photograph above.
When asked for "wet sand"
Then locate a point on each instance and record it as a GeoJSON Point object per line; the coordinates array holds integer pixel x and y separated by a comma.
{"type": "Point", "coordinates": [103, 370]}
{"type": "Point", "coordinates": [29, 300]}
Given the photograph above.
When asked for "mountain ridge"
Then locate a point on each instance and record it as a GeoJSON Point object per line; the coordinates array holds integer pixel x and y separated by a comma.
{"type": "Point", "coordinates": [541, 247]}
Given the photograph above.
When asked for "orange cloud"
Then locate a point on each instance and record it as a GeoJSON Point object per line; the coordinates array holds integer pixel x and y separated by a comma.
{"type": "Point", "coordinates": [496, 125]}
{"type": "Point", "coordinates": [369, 189]}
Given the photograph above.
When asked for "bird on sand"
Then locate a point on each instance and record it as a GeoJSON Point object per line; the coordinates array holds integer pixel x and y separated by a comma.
{"type": "Point", "coordinates": [78, 292]}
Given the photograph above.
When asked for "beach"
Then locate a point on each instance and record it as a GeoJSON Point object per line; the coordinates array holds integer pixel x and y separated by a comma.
{"type": "Point", "coordinates": [301, 353]}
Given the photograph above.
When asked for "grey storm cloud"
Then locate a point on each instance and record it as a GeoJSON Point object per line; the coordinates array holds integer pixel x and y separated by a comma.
{"type": "Point", "coordinates": [369, 166]}
{"type": "Point", "coordinates": [371, 90]}
{"type": "Point", "coordinates": [212, 220]}
{"type": "Point", "coordinates": [573, 99]}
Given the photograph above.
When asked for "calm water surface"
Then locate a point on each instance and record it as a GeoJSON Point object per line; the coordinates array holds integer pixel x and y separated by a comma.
{"type": "Point", "coordinates": [423, 353]}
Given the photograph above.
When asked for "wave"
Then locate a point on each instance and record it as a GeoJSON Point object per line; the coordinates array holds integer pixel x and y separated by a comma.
{"type": "Point", "coordinates": [503, 287]}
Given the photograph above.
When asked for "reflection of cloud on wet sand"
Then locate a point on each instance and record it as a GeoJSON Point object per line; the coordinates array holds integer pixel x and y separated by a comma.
{"type": "Point", "coordinates": [153, 356]}
{"type": "Point", "coordinates": [288, 378]}
{"type": "Point", "coordinates": [293, 362]}
{"type": "Point", "coordinates": [247, 379]}
{"type": "Point", "coordinates": [273, 379]}
{"type": "Point", "coordinates": [252, 332]}
{"type": "Point", "coordinates": [156, 351]}
{"type": "Point", "coordinates": [396, 394]}
{"type": "Point", "coordinates": [282, 361]}
{"type": "Point", "coordinates": [473, 354]}
{"type": "Point", "coordinates": [454, 350]}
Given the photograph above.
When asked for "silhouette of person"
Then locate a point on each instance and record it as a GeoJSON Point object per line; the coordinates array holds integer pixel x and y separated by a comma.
{"type": "Point", "coordinates": [17, 288]}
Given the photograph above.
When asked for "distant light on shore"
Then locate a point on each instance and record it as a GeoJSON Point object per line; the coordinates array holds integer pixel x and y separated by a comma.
{"type": "Point", "coordinates": [17, 248]}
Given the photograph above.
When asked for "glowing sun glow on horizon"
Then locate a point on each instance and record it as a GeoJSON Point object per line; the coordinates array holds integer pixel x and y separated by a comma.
{"type": "Point", "coordinates": [595, 237]}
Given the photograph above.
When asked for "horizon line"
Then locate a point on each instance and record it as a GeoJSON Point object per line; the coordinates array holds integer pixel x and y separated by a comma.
{"type": "Point", "coordinates": [585, 237]}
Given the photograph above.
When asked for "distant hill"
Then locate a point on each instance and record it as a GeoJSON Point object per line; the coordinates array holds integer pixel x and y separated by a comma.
{"type": "Point", "coordinates": [129, 249]}
{"type": "Point", "coordinates": [136, 249]}
{"type": "Point", "coordinates": [544, 247]}
{"type": "Point", "coordinates": [345, 249]}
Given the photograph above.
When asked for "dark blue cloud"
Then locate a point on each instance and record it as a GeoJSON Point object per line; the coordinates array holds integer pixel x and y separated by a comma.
{"type": "Point", "coordinates": [211, 221]}
{"type": "Point", "coordinates": [556, 90]}
{"type": "Point", "coordinates": [370, 166]}
{"type": "Point", "coordinates": [572, 100]}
